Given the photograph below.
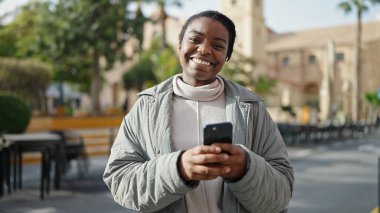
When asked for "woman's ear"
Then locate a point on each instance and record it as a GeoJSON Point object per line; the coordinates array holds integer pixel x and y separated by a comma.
{"type": "Point", "coordinates": [179, 49]}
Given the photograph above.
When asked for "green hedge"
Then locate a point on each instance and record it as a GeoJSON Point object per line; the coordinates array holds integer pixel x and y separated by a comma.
{"type": "Point", "coordinates": [26, 78]}
{"type": "Point", "coordinates": [14, 113]}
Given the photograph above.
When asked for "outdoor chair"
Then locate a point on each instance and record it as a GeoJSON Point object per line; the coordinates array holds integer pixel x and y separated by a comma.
{"type": "Point", "coordinates": [74, 150]}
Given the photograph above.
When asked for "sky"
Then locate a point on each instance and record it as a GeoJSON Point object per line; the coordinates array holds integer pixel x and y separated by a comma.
{"type": "Point", "coordinates": [289, 15]}
{"type": "Point", "coordinates": [280, 15]}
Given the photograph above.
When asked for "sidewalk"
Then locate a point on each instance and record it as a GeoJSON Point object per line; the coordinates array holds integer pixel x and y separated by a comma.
{"type": "Point", "coordinates": [77, 195]}
{"type": "Point", "coordinates": [86, 194]}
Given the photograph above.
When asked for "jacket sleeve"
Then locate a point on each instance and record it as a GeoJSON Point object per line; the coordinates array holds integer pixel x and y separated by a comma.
{"type": "Point", "coordinates": [136, 181]}
{"type": "Point", "coordinates": [268, 184]}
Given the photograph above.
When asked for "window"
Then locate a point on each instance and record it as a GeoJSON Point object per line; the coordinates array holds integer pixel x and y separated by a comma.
{"type": "Point", "coordinates": [312, 59]}
{"type": "Point", "coordinates": [257, 3]}
{"type": "Point", "coordinates": [339, 57]}
{"type": "Point", "coordinates": [286, 61]}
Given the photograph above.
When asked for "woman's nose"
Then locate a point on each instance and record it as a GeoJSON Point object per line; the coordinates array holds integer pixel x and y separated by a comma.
{"type": "Point", "coordinates": [204, 49]}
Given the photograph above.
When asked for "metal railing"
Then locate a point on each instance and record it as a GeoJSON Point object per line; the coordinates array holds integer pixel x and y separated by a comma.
{"type": "Point", "coordinates": [294, 135]}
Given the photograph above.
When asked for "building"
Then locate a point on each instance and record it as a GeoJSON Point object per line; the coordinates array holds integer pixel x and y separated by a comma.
{"type": "Point", "coordinates": [317, 67]}
{"type": "Point", "coordinates": [314, 69]}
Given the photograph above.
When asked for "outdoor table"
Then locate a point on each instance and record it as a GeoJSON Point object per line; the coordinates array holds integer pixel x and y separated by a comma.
{"type": "Point", "coordinates": [50, 145]}
{"type": "Point", "coordinates": [4, 166]}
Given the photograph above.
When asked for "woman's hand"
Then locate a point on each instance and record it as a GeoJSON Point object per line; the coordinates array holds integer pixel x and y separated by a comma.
{"type": "Point", "coordinates": [209, 162]}
{"type": "Point", "coordinates": [237, 161]}
{"type": "Point", "coordinates": [203, 163]}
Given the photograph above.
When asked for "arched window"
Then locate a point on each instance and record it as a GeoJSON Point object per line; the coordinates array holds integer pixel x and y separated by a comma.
{"type": "Point", "coordinates": [312, 59]}
{"type": "Point", "coordinates": [286, 61]}
{"type": "Point", "coordinates": [339, 57]}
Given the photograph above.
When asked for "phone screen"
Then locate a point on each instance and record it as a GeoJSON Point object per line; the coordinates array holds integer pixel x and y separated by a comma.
{"type": "Point", "coordinates": [217, 133]}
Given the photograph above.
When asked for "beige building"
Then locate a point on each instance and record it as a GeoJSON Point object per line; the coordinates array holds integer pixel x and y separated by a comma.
{"type": "Point", "coordinates": [314, 69]}
{"type": "Point", "coordinates": [317, 67]}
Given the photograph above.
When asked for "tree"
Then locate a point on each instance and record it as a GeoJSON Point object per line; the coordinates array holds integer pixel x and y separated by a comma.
{"type": "Point", "coordinates": [163, 15]}
{"type": "Point", "coordinates": [165, 63]}
{"type": "Point", "coordinates": [154, 66]}
{"type": "Point", "coordinates": [77, 35]}
{"type": "Point", "coordinates": [137, 25]}
{"type": "Point", "coordinates": [98, 31]}
{"type": "Point", "coordinates": [264, 85]}
{"type": "Point", "coordinates": [7, 42]}
{"type": "Point", "coordinates": [74, 36]}
{"type": "Point", "coordinates": [240, 70]}
{"type": "Point", "coordinates": [36, 32]}
{"type": "Point", "coordinates": [16, 36]}
{"type": "Point", "coordinates": [29, 79]}
{"type": "Point", "coordinates": [374, 103]}
{"type": "Point", "coordinates": [360, 6]}
{"type": "Point", "coordinates": [140, 75]}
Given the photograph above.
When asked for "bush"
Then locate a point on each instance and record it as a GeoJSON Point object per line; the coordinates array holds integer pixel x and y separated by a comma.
{"type": "Point", "coordinates": [139, 74]}
{"type": "Point", "coordinates": [26, 78]}
{"type": "Point", "coordinates": [14, 114]}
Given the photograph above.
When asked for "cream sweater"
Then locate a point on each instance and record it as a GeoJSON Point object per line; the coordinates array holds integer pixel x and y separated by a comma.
{"type": "Point", "coordinates": [193, 108]}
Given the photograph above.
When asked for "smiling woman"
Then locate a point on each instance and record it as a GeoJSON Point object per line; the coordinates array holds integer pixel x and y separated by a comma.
{"type": "Point", "coordinates": [158, 161]}
{"type": "Point", "coordinates": [203, 51]}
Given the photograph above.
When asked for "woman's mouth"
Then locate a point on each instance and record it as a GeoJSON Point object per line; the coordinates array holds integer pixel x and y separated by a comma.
{"type": "Point", "coordinates": [200, 61]}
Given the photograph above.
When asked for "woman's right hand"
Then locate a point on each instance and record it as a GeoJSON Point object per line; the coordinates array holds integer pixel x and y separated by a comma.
{"type": "Point", "coordinates": [202, 163]}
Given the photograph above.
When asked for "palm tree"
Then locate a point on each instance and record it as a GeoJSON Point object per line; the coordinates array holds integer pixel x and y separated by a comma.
{"type": "Point", "coordinates": [163, 17]}
{"type": "Point", "coordinates": [374, 103]}
{"type": "Point", "coordinates": [360, 6]}
{"type": "Point", "coordinates": [161, 4]}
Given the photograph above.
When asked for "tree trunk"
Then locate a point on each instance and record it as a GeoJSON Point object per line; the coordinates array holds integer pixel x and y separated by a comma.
{"type": "Point", "coordinates": [163, 17]}
{"type": "Point", "coordinates": [356, 82]}
{"type": "Point", "coordinates": [95, 85]}
{"type": "Point", "coordinates": [60, 88]}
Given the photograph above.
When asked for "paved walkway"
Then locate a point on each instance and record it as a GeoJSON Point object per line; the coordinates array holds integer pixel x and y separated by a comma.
{"type": "Point", "coordinates": [86, 194]}
{"type": "Point", "coordinates": [81, 195]}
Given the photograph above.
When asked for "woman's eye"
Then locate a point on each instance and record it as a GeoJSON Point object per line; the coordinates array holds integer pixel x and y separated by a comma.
{"type": "Point", "coordinates": [193, 39]}
{"type": "Point", "coordinates": [219, 46]}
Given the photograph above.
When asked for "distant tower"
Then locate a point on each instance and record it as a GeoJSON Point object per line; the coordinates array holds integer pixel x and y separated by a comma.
{"type": "Point", "coordinates": [250, 28]}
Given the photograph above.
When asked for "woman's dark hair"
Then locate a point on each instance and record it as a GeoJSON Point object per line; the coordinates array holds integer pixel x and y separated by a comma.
{"type": "Point", "coordinates": [227, 23]}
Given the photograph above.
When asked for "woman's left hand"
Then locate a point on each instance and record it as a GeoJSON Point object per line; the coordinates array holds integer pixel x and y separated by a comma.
{"type": "Point", "coordinates": [236, 162]}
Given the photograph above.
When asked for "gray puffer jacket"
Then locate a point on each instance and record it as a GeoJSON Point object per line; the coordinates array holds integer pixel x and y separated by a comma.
{"type": "Point", "coordinates": [142, 169]}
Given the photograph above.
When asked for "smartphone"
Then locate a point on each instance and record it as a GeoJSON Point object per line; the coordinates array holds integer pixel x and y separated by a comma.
{"type": "Point", "coordinates": [217, 133]}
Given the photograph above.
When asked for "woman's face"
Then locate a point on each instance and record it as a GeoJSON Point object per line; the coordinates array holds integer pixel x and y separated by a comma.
{"type": "Point", "coordinates": [203, 50]}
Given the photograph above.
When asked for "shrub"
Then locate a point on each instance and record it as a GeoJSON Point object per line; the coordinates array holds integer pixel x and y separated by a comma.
{"type": "Point", "coordinates": [140, 74]}
{"type": "Point", "coordinates": [14, 113]}
{"type": "Point", "coordinates": [26, 78]}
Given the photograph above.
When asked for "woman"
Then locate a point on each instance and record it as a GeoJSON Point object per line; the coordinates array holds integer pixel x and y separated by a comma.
{"type": "Point", "coordinates": [158, 162]}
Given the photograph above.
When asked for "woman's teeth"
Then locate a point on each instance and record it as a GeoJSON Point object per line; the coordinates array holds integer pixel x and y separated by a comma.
{"type": "Point", "coordinates": [199, 61]}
